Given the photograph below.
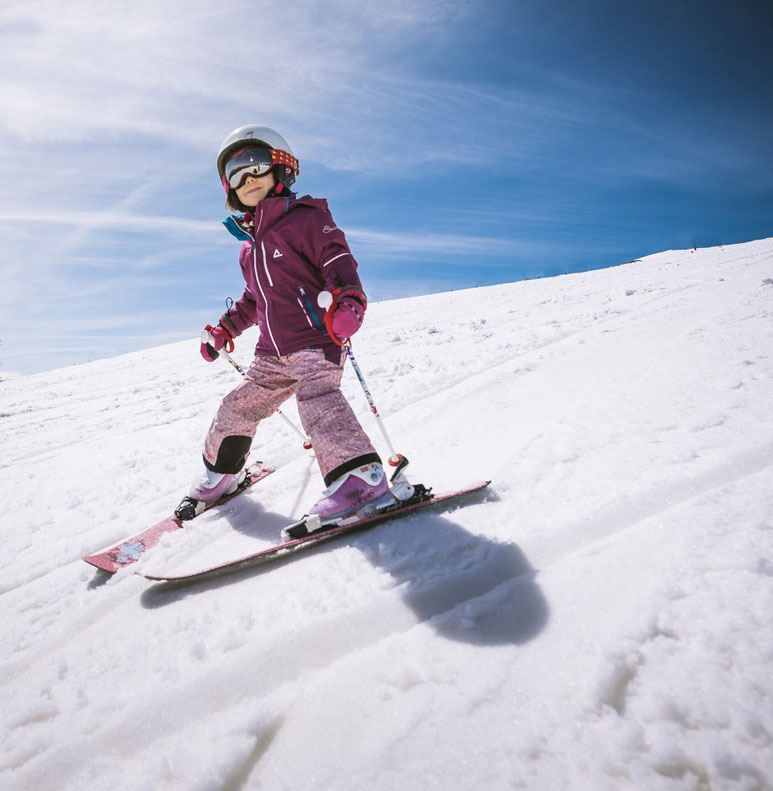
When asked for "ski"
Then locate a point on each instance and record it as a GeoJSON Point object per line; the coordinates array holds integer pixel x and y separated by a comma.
{"type": "Point", "coordinates": [131, 549]}
{"type": "Point", "coordinates": [422, 498]}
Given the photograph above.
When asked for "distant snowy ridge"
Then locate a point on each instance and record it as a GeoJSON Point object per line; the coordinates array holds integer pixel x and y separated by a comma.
{"type": "Point", "coordinates": [603, 621]}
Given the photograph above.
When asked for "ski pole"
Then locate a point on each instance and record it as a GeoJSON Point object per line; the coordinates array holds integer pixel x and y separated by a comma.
{"type": "Point", "coordinates": [207, 338]}
{"type": "Point", "coordinates": [325, 300]}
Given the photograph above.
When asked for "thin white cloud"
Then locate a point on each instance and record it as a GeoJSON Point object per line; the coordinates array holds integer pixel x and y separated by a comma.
{"type": "Point", "coordinates": [115, 219]}
{"type": "Point", "coordinates": [407, 245]}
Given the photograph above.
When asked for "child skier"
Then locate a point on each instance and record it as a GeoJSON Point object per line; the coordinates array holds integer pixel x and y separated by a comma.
{"type": "Point", "coordinates": [291, 251]}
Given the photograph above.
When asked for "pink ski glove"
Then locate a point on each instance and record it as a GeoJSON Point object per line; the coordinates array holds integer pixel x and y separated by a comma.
{"type": "Point", "coordinates": [347, 318]}
{"type": "Point", "coordinates": [218, 338]}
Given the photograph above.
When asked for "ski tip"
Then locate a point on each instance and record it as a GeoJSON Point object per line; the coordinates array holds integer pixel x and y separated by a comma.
{"type": "Point", "coordinates": [475, 487]}
{"type": "Point", "coordinates": [100, 563]}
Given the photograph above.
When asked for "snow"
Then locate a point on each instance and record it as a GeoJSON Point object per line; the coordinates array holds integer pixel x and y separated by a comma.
{"type": "Point", "coordinates": [603, 620]}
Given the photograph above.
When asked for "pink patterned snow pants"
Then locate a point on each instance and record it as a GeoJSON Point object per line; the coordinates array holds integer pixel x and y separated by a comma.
{"type": "Point", "coordinates": [327, 418]}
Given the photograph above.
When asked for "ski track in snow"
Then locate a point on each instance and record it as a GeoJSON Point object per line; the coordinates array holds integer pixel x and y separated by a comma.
{"type": "Point", "coordinates": [603, 620]}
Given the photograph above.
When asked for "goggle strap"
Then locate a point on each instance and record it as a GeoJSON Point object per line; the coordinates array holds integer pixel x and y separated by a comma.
{"type": "Point", "coordinates": [279, 157]}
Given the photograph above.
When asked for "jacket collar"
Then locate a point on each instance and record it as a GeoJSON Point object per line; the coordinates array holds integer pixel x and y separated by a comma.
{"type": "Point", "coordinates": [238, 226]}
{"type": "Point", "coordinates": [245, 227]}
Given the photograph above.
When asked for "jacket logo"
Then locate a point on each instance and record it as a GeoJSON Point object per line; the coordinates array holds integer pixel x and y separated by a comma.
{"type": "Point", "coordinates": [277, 254]}
{"type": "Point", "coordinates": [329, 229]}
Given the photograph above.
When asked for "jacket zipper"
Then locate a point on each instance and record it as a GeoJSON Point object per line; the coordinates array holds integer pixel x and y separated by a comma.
{"type": "Point", "coordinates": [265, 265]}
{"type": "Point", "coordinates": [263, 293]}
{"type": "Point", "coordinates": [260, 223]}
{"type": "Point", "coordinates": [305, 313]}
{"type": "Point", "coordinates": [306, 303]}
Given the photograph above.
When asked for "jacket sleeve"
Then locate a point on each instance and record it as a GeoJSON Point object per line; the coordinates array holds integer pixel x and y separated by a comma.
{"type": "Point", "coordinates": [243, 314]}
{"type": "Point", "coordinates": [329, 251]}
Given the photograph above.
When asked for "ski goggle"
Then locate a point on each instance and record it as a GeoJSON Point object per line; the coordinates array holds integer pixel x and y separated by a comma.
{"type": "Point", "coordinates": [254, 161]}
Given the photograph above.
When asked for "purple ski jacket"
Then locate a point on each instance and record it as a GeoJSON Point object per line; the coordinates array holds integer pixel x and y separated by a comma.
{"type": "Point", "coordinates": [291, 250]}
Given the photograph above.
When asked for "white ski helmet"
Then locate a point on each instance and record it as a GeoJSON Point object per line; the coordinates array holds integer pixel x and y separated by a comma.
{"type": "Point", "coordinates": [286, 166]}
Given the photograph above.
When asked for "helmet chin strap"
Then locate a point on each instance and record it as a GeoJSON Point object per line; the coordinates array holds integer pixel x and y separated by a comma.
{"type": "Point", "coordinates": [280, 189]}
{"type": "Point", "coordinates": [277, 189]}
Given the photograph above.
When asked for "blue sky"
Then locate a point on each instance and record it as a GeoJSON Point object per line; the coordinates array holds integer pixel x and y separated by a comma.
{"type": "Point", "coordinates": [459, 144]}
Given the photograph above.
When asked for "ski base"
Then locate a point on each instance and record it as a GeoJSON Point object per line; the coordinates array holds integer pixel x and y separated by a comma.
{"type": "Point", "coordinates": [132, 548]}
{"type": "Point", "coordinates": [424, 499]}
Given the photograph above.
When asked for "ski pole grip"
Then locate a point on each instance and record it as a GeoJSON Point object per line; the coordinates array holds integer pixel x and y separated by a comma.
{"type": "Point", "coordinates": [207, 337]}
{"type": "Point", "coordinates": [327, 300]}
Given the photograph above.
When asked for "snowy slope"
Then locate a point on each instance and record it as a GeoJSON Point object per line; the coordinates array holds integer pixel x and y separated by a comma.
{"type": "Point", "coordinates": [603, 621]}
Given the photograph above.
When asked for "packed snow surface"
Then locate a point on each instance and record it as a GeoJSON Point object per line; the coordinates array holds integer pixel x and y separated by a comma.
{"type": "Point", "coordinates": [602, 620]}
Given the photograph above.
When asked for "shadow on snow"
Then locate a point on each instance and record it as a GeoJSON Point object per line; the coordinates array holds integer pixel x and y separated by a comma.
{"type": "Point", "coordinates": [467, 587]}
